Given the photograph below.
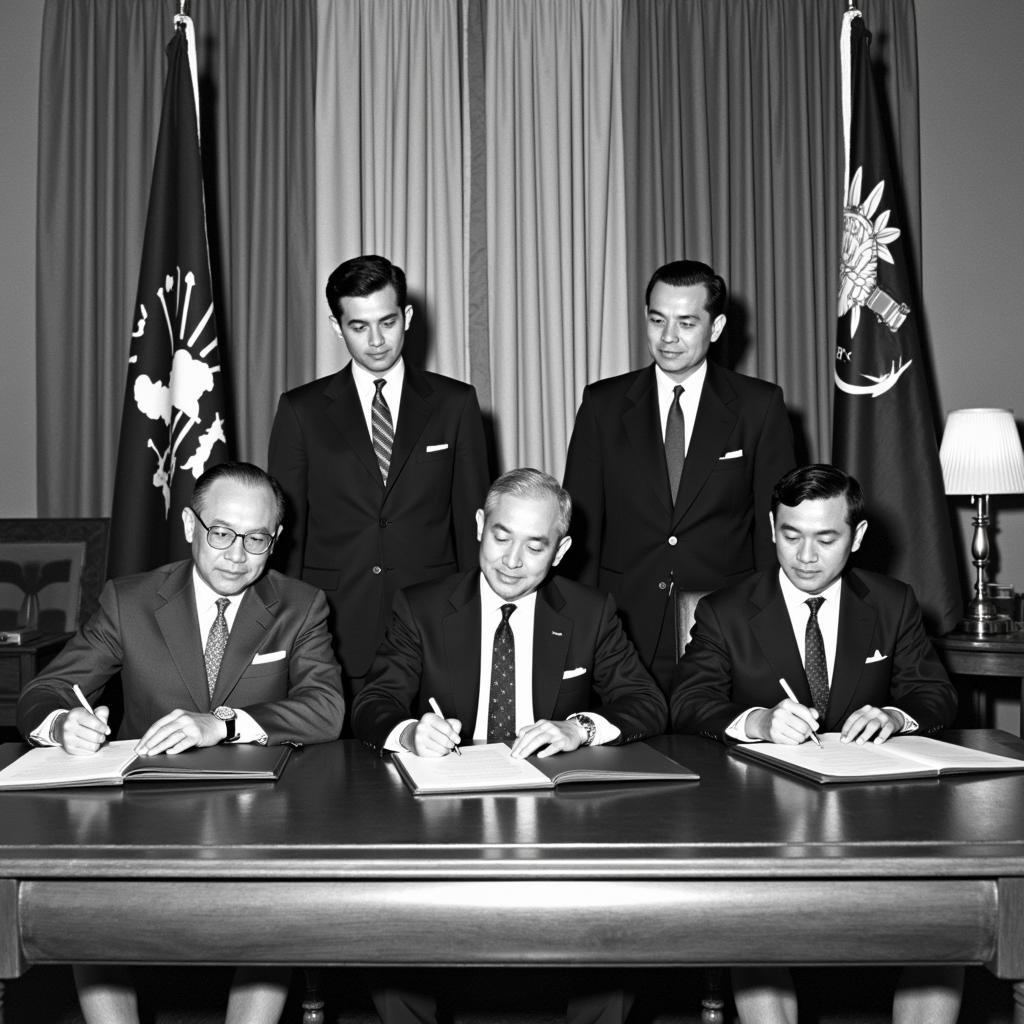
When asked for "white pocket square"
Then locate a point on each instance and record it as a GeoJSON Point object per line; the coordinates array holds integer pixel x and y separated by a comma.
{"type": "Point", "coordinates": [737, 453]}
{"type": "Point", "coordinates": [436, 447]}
{"type": "Point", "coordinates": [877, 656]}
{"type": "Point", "coordinates": [572, 673]}
{"type": "Point", "coordinates": [262, 659]}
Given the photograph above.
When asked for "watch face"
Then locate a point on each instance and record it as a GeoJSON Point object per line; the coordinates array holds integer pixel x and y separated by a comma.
{"type": "Point", "coordinates": [224, 714]}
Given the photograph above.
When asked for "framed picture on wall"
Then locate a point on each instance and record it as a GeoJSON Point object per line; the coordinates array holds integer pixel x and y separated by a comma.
{"type": "Point", "coordinates": [51, 572]}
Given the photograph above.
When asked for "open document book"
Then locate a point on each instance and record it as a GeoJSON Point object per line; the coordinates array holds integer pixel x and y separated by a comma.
{"type": "Point", "coordinates": [115, 763]}
{"type": "Point", "coordinates": [490, 767]}
{"type": "Point", "coordinates": [902, 757]}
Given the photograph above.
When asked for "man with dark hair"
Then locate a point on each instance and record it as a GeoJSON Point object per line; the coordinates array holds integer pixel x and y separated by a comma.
{"type": "Point", "coordinates": [382, 465]}
{"type": "Point", "coordinates": [670, 467]}
{"type": "Point", "coordinates": [852, 647]}
{"type": "Point", "coordinates": [210, 650]}
{"type": "Point", "coordinates": [507, 654]}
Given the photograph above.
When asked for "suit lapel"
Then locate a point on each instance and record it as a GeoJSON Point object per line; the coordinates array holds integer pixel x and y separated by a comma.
{"type": "Point", "coordinates": [552, 632]}
{"type": "Point", "coordinates": [415, 410]}
{"type": "Point", "coordinates": [640, 421]}
{"type": "Point", "coordinates": [461, 626]}
{"type": "Point", "coordinates": [179, 625]}
{"type": "Point", "coordinates": [253, 620]}
{"type": "Point", "coordinates": [773, 630]}
{"type": "Point", "coordinates": [856, 629]}
{"type": "Point", "coordinates": [346, 415]}
{"type": "Point", "coordinates": [715, 422]}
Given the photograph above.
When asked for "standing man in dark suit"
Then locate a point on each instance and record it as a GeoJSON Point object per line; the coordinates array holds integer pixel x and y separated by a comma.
{"type": "Point", "coordinates": [852, 647]}
{"type": "Point", "coordinates": [508, 654]}
{"type": "Point", "coordinates": [210, 650]}
{"type": "Point", "coordinates": [382, 465]}
{"type": "Point", "coordinates": [670, 467]}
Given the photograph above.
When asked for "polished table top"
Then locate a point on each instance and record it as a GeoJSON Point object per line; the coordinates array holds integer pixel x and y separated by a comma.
{"type": "Point", "coordinates": [340, 812]}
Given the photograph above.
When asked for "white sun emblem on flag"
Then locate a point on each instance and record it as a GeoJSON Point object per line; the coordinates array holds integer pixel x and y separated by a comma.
{"type": "Point", "coordinates": [177, 402]}
{"type": "Point", "coordinates": [865, 242]}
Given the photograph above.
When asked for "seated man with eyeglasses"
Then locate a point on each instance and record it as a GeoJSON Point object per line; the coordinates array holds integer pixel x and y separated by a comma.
{"type": "Point", "coordinates": [210, 650]}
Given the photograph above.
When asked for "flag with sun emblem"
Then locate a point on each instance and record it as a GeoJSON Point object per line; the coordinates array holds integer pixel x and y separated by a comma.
{"type": "Point", "coordinates": [172, 426]}
{"type": "Point", "coordinates": [883, 430]}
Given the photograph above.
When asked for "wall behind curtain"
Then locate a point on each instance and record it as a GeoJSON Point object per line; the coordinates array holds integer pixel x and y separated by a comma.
{"type": "Point", "coordinates": [529, 162]}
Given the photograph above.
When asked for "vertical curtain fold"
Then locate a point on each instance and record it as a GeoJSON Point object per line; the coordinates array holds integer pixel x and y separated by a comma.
{"type": "Point", "coordinates": [556, 228]}
{"type": "Point", "coordinates": [390, 163]}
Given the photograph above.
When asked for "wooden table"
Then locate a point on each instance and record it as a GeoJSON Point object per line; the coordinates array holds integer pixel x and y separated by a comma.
{"type": "Point", "coordinates": [20, 663]}
{"type": "Point", "coordinates": [337, 864]}
{"type": "Point", "coordinates": [1001, 655]}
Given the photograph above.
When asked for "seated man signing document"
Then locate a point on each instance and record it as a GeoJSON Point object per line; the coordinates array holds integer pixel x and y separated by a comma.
{"type": "Point", "coordinates": [852, 649]}
{"type": "Point", "coordinates": [507, 654]}
{"type": "Point", "coordinates": [210, 650]}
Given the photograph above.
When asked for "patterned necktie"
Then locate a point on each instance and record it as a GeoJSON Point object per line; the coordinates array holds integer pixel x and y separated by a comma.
{"type": "Point", "coordinates": [675, 442]}
{"type": "Point", "coordinates": [383, 429]}
{"type": "Point", "coordinates": [501, 714]}
{"type": "Point", "coordinates": [815, 664]}
{"type": "Point", "coordinates": [215, 644]}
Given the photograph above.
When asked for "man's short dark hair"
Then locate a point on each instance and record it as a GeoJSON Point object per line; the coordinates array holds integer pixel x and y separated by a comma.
{"type": "Point", "coordinates": [244, 473]}
{"type": "Point", "coordinates": [531, 483]}
{"type": "Point", "coordinates": [363, 276]}
{"type": "Point", "coordinates": [818, 482]}
{"type": "Point", "coordinates": [682, 274]}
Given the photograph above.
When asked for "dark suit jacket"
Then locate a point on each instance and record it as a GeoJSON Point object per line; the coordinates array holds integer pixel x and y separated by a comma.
{"type": "Point", "coordinates": [628, 538]}
{"type": "Point", "coordinates": [351, 536]}
{"type": "Point", "coordinates": [432, 649]}
{"type": "Point", "coordinates": [147, 629]}
{"type": "Point", "coordinates": [742, 644]}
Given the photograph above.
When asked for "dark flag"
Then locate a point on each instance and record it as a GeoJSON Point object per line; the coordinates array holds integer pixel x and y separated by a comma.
{"type": "Point", "coordinates": [883, 432]}
{"type": "Point", "coordinates": [172, 426]}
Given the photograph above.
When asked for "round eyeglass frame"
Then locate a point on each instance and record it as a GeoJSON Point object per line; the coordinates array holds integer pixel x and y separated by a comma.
{"type": "Point", "coordinates": [235, 535]}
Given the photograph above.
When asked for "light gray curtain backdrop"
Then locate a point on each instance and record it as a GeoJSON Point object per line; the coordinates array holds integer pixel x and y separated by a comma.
{"type": "Point", "coordinates": [528, 162]}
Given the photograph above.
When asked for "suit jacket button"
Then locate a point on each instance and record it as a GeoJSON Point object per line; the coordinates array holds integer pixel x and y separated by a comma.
{"type": "Point", "coordinates": [382, 523]}
{"type": "Point", "coordinates": [376, 570]}
{"type": "Point", "coordinates": [673, 541]}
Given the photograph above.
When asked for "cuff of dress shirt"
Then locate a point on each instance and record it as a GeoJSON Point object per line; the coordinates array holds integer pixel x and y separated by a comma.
{"type": "Point", "coordinates": [246, 729]}
{"type": "Point", "coordinates": [737, 728]}
{"type": "Point", "coordinates": [42, 735]}
{"type": "Point", "coordinates": [604, 731]}
{"type": "Point", "coordinates": [393, 742]}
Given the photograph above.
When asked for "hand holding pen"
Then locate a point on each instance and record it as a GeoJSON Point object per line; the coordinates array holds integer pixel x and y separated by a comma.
{"type": "Point", "coordinates": [788, 691]}
{"type": "Point", "coordinates": [432, 738]}
{"type": "Point", "coordinates": [81, 734]}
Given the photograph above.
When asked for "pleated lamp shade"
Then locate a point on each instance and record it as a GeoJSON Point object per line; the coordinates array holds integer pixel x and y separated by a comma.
{"type": "Point", "coordinates": [981, 453]}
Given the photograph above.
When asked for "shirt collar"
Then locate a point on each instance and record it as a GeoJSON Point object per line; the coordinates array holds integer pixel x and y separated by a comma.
{"type": "Point", "coordinates": [692, 386]}
{"type": "Point", "coordinates": [797, 598]}
{"type": "Point", "coordinates": [206, 596]}
{"type": "Point", "coordinates": [394, 376]}
{"type": "Point", "coordinates": [490, 602]}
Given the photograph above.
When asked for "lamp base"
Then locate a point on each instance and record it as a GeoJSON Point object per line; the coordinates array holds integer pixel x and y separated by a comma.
{"type": "Point", "coordinates": [991, 625]}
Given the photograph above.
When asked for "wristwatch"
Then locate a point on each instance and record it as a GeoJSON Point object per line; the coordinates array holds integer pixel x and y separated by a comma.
{"type": "Point", "coordinates": [588, 724]}
{"type": "Point", "coordinates": [229, 718]}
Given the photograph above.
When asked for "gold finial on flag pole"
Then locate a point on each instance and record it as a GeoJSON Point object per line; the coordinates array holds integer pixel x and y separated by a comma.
{"type": "Point", "coordinates": [183, 8]}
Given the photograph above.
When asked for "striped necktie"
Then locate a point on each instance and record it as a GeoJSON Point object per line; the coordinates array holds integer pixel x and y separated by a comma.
{"type": "Point", "coordinates": [383, 429]}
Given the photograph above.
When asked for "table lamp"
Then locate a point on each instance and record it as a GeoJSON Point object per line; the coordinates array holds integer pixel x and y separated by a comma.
{"type": "Point", "coordinates": [981, 455]}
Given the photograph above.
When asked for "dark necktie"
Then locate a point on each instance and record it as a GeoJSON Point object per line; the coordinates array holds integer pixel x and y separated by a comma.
{"type": "Point", "coordinates": [675, 442]}
{"type": "Point", "coordinates": [815, 664]}
{"type": "Point", "coordinates": [501, 714]}
{"type": "Point", "coordinates": [383, 429]}
{"type": "Point", "coordinates": [215, 644]}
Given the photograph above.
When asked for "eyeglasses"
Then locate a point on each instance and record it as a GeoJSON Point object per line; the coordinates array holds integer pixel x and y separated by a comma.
{"type": "Point", "coordinates": [221, 538]}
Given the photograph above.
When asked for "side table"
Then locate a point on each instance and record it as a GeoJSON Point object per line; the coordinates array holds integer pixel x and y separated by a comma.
{"type": "Point", "coordinates": [18, 664]}
{"type": "Point", "coordinates": [1001, 655]}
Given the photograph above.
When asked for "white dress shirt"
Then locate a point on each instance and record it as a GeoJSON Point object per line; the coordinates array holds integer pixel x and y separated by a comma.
{"type": "Point", "coordinates": [392, 391]}
{"type": "Point", "coordinates": [688, 400]}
